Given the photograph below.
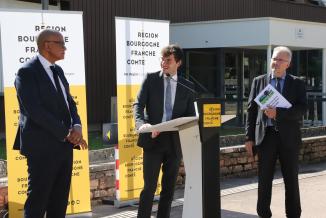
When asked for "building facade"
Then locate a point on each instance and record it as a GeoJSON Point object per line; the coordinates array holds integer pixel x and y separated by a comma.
{"type": "Point", "coordinates": [227, 43]}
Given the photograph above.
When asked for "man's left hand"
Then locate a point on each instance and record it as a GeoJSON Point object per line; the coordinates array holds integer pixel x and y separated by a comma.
{"type": "Point", "coordinates": [82, 144]}
{"type": "Point", "coordinates": [75, 135]}
{"type": "Point", "coordinates": [155, 134]}
{"type": "Point", "coordinates": [270, 113]}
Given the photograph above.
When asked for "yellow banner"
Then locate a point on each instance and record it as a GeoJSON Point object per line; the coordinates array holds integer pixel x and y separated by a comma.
{"type": "Point", "coordinates": [130, 155]}
{"type": "Point", "coordinates": [16, 164]}
{"type": "Point", "coordinates": [79, 201]}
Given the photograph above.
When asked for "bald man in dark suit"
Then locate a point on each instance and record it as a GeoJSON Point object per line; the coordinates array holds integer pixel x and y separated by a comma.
{"type": "Point", "coordinates": [49, 128]}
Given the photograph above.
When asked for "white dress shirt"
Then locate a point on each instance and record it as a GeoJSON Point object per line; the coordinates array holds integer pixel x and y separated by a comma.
{"type": "Point", "coordinates": [46, 65]}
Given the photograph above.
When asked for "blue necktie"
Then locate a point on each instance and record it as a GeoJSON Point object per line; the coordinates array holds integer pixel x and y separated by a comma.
{"type": "Point", "coordinates": [168, 100]}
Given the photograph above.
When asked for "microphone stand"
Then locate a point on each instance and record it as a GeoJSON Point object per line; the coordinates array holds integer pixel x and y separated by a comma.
{"type": "Point", "coordinates": [185, 86]}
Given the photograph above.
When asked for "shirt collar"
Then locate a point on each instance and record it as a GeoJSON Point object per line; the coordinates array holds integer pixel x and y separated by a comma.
{"type": "Point", "coordinates": [174, 77]}
{"type": "Point", "coordinates": [45, 63]}
{"type": "Point", "coordinates": [273, 77]}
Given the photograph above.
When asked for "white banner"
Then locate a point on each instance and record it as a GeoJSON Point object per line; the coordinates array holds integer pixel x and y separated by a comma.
{"type": "Point", "coordinates": [19, 31]}
{"type": "Point", "coordinates": [138, 48]}
{"type": "Point", "coordinates": [138, 51]}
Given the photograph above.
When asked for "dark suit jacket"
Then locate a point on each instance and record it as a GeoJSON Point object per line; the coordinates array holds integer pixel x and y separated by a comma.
{"type": "Point", "coordinates": [41, 129]}
{"type": "Point", "coordinates": [151, 99]}
{"type": "Point", "coordinates": [287, 120]}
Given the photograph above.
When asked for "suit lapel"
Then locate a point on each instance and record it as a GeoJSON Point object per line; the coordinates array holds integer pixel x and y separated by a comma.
{"type": "Point", "coordinates": [44, 77]}
{"type": "Point", "coordinates": [160, 86]}
{"type": "Point", "coordinates": [178, 95]}
{"type": "Point", "coordinates": [287, 85]}
{"type": "Point", "coordinates": [63, 80]}
{"type": "Point", "coordinates": [267, 80]}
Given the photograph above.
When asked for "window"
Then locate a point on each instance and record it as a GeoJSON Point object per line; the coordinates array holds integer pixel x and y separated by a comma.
{"type": "Point", "coordinates": [51, 2]}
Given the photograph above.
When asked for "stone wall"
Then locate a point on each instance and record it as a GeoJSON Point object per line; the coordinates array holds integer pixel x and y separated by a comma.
{"type": "Point", "coordinates": [102, 182]}
{"type": "Point", "coordinates": [3, 193]}
{"type": "Point", "coordinates": [3, 184]}
{"type": "Point", "coordinates": [3, 168]}
{"type": "Point", "coordinates": [234, 162]}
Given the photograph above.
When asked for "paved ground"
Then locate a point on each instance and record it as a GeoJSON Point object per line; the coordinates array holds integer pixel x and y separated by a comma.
{"type": "Point", "coordinates": [239, 197]}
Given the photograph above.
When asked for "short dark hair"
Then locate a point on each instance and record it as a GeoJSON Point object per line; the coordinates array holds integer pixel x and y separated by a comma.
{"type": "Point", "coordinates": [172, 49]}
{"type": "Point", "coordinates": [44, 35]}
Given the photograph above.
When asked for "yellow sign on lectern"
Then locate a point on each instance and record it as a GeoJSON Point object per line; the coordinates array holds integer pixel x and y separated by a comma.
{"type": "Point", "coordinates": [212, 115]}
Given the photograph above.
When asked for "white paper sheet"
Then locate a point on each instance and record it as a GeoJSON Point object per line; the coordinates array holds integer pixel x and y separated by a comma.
{"type": "Point", "coordinates": [270, 97]}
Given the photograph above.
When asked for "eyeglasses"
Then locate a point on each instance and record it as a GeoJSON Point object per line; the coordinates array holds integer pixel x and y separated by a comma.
{"type": "Point", "coordinates": [61, 43]}
{"type": "Point", "coordinates": [166, 60]}
{"type": "Point", "coordinates": [279, 60]}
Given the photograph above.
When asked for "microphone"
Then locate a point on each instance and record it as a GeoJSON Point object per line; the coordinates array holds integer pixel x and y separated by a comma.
{"type": "Point", "coordinates": [188, 88]}
{"type": "Point", "coordinates": [185, 86]}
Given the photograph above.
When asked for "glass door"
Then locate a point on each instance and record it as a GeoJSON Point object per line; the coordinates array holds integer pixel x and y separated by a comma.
{"type": "Point", "coordinates": [254, 64]}
{"type": "Point", "coordinates": [201, 69]}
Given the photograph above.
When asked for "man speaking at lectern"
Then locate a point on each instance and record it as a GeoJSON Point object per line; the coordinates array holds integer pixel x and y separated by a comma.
{"type": "Point", "coordinates": [274, 134]}
{"type": "Point", "coordinates": [163, 96]}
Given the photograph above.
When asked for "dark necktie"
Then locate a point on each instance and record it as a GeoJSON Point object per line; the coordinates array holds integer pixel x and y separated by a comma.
{"type": "Point", "coordinates": [278, 88]}
{"type": "Point", "coordinates": [64, 112]}
{"type": "Point", "coordinates": [168, 99]}
{"type": "Point", "coordinates": [278, 85]}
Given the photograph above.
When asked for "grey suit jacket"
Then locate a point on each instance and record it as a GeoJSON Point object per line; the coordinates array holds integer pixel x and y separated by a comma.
{"type": "Point", "coordinates": [287, 120]}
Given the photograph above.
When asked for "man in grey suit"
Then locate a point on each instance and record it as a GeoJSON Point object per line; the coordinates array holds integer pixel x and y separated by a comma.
{"type": "Point", "coordinates": [274, 134]}
{"type": "Point", "coordinates": [49, 128]}
{"type": "Point", "coordinates": [164, 95]}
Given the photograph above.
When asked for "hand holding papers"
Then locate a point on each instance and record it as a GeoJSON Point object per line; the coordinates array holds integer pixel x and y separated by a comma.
{"type": "Point", "coordinates": [270, 97]}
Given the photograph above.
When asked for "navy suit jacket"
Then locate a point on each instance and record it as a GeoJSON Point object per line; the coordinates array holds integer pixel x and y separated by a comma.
{"type": "Point", "coordinates": [287, 120]}
{"type": "Point", "coordinates": [41, 129]}
{"type": "Point", "coordinates": [148, 108]}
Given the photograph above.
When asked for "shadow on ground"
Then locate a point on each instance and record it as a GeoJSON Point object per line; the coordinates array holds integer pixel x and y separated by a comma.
{"type": "Point", "coordinates": [234, 214]}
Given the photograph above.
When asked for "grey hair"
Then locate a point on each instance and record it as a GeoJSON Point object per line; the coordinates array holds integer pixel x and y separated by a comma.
{"type": "Point", "coordinates": [283, 49]}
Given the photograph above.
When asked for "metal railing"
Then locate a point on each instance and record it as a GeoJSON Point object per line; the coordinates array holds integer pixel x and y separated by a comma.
{"type": "Point", "coordinates": [312, 118]}
{"type": "Point", "coordinates": [314, 114]}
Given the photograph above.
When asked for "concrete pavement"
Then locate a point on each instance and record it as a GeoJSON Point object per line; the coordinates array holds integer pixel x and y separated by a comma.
{"type": "Point", "coordinates": [239, 196]}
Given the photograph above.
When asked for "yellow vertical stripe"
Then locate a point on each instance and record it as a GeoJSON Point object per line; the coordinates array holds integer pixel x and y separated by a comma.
{"type": "Point", "coordinates": [79, 201]}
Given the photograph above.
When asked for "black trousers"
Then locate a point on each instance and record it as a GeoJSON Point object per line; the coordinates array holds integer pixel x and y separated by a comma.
{"type": "Point", "coordinates": [49, 179]}
{"type": "Point", "coordinates": [152, 162]}
{"type": "Point", "coordinates": [268, 152]}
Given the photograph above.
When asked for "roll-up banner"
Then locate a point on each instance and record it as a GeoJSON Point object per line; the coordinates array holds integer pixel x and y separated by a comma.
{"type": "Point", "coordinates": [138, 51]}
{"type": "Point", "coordinates": [18, 45]}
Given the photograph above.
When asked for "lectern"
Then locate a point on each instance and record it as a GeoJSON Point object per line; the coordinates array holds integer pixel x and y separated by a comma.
{"type": "Point", "coordinates": [199, 138]}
